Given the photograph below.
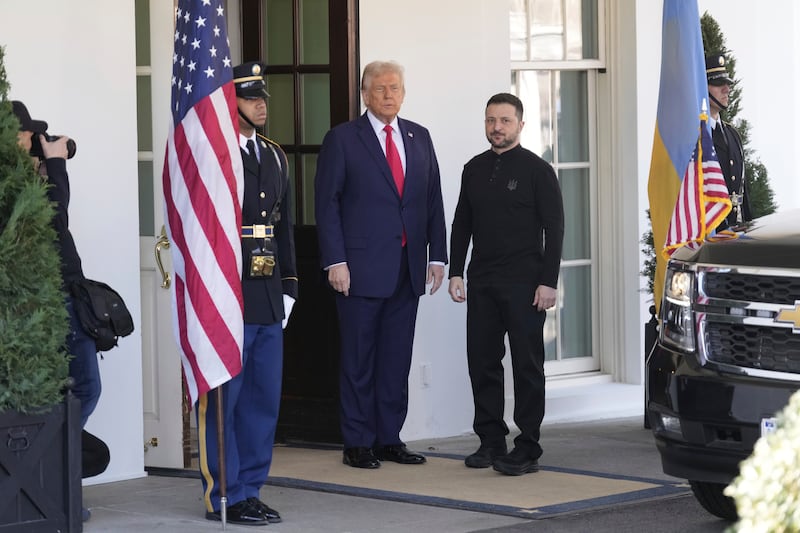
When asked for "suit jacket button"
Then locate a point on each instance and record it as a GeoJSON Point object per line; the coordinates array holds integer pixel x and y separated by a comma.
{"type": "Point", "coordinates": [263, 214]}
{"type": "Point", "coordinates": [262, 194]}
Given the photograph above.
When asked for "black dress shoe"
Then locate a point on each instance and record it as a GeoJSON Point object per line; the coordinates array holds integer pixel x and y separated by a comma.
{"type": "Point", "coordinates": [243, 513]}
{"type": "Point", "coordinates": [272, 516]}
{"type": "Point", "coordinates": [485, 456]}
{"type": "Point", "coordinates": [516, 463]}
{"type": "Point", "coordinates": [360, 458]}
{"type": "Point", "coordinates": [400, 454]}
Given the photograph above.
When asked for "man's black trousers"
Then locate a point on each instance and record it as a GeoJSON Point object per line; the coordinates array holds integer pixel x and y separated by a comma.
{"type": "Point", "coordinates": [493, 311]}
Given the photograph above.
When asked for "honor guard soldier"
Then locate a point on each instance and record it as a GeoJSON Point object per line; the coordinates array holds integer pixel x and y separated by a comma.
{"type": "Point", "coordinates": [727, 142]}
{"type": "Point", "coordinates": [251, 400]}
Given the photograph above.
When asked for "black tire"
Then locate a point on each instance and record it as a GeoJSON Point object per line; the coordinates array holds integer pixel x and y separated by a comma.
{"type": "Point", "coordinates": [713, 500]}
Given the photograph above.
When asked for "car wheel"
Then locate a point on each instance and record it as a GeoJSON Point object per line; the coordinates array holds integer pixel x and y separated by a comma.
{"type": "Point", "coordinates": [713, 500]}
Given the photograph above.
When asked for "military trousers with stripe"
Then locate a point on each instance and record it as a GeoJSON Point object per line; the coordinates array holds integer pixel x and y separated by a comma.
{"type": "Point", "coordinates": [251, 401]}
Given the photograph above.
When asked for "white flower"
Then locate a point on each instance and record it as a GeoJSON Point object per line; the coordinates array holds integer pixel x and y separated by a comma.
{"type": "Point", "coordinates": [767, 490]}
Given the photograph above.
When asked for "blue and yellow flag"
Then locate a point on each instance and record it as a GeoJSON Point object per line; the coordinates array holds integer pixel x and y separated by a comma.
{"type": "Point", "coordinates": [681, 93]}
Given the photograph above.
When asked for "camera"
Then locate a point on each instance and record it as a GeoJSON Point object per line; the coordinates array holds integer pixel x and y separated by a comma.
{"type": "Point", "coordinates": [36, 146]}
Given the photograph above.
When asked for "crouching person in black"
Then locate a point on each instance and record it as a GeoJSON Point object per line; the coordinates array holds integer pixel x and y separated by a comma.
{"type": "Point", "coordinates": [50, 156]}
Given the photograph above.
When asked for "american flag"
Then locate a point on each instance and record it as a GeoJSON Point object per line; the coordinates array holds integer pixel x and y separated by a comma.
{"type": "Point", "coordinates": [203, 188]}
{"type": "Point", "coordinates": [703, 200]}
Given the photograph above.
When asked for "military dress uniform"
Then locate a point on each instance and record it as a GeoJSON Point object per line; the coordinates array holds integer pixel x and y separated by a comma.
{"type": "Point", "coordinates": [730, 153]}
{"type": "Point", "coordinates": [729, 148]}
{"type": "Point", "coordinates": [251, 400]}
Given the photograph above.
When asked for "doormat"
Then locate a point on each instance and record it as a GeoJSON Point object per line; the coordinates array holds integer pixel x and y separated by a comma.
{"type": "Point", "coordinates": [444, 481]}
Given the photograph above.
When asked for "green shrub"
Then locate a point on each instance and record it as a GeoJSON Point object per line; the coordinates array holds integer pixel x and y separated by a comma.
{"type": "Point", "coordinates": [33, 318]}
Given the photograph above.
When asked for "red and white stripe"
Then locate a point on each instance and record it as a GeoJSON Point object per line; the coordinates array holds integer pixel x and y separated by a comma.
{"type": "Point", "coordinates": [702, 202]}
{"type": "Point", "coordinates": [203, 190]}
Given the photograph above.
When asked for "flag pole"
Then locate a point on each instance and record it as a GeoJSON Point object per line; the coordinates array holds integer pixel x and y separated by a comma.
{"type": "Point", "coordinates": [202, 176]}
{"type": "Point", "coordinates": [223, 479]}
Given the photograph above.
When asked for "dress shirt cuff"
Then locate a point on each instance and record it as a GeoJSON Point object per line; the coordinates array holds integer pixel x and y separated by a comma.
{"type": "Point", "coordinates": [288, 304]}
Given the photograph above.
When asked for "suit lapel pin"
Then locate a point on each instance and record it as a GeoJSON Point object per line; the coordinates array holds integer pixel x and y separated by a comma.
{"type": "Point", "coordinates": [411, 135]}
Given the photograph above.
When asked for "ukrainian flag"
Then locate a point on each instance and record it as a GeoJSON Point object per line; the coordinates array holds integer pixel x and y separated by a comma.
{"type": "Point", "coordinates": [681, 93]}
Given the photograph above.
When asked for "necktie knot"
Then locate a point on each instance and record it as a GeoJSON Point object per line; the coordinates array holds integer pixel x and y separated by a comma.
{"type": "Point", "coordinates": [251, 150]}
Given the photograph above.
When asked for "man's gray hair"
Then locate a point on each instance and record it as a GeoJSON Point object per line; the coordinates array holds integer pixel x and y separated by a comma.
{"type": "Point", "coordinates": [378, 68]}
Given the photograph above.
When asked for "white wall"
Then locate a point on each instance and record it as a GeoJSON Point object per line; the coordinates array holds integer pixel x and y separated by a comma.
{"type": "Point", "coordinates": [72, 64]}
{"type": "Point", "coordinates": [616, 227]}
{"type": "Point", "coordinates": [451, 70]}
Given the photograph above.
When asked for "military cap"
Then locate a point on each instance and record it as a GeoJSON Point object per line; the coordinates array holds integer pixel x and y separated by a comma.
{"type": "Point", "coordinates": [26, 123]}
{"type": "Point", "coordinates": [716, 71]}
{"type": "Point", "coordinates": [249, 80]}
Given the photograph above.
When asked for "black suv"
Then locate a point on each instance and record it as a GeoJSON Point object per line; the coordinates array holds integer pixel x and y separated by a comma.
{"type": "Point", "coordinates": [727, 357]}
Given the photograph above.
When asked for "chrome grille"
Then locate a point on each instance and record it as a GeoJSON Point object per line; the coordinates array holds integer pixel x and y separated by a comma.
{"type": "Point", "coordinates": [752, 287]}
{"type": "Point", "coordinates": [764, 348]}
{"type": "Point", "coordinates": [736, 310]}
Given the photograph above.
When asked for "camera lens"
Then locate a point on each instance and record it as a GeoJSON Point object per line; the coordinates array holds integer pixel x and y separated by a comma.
{"type": "Point", "coordinates": [36, 146]}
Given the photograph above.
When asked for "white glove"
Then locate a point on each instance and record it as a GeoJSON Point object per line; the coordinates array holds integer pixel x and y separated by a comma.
{"type": "Point", "coordinates": [288, 303]}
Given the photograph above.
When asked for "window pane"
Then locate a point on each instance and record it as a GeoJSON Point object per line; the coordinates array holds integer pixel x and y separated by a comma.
{"type": "Point", "coordinates": [279, 32]}
{"type": "Point", "coordinates": [581, 31]}
{"type": "Point", "coordinates": [146, 202]}
{"type": "Point", "coordinates": [573, 116]}
{"type": "Point", "coordinates": [144, 114]}
{"type": "Point", "coordinates": [547, 30]}
{"type": "Point", "coordinates": [316, 108]}
{"type": "Point", "coordinates": [519, 30]}
{"type": "Point", "coordinates": [142, 15]}
{"type": "Point", "coordinates": [542, 30]}
{"type": "Point", "coordinates": [576, 301]}
{"type": "Point", "coordinates": [280, 108]}
{"type": "Point", "coordinates": [588, 29]}
{"type": "Point", "coordinates": [309, 171]}
{"type": "Point", "coordinates": [575, 191]}
{"type": "Point", "coordinates": [533, 88]}
{"type": "Point", "coordinates": [314, 32]}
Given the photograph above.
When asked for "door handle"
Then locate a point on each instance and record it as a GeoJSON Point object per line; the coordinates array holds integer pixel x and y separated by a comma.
{"type": "Point", "coordinates": [162, 242]}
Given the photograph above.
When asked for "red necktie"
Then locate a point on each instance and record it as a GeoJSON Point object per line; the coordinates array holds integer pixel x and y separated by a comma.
{"type": "Point", "coordinates": [393, 158]}
{"type": "Point", "coordinates": [396, 166]}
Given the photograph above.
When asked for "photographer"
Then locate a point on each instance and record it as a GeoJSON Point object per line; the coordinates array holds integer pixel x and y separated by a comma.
{"type": "Point", "coordinates": [50, 156]}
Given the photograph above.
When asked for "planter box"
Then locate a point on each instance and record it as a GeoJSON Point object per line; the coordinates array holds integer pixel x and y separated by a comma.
{"type": "Point", "coordinates": [40, 470]}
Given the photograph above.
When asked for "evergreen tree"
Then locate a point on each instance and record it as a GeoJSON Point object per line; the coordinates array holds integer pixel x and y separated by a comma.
{"type": "Point", "coordinates": [33, 316]}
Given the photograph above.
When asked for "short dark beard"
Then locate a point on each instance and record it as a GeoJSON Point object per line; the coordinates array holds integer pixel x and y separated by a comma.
{"type": "Point", "coordinates": [504, 144]}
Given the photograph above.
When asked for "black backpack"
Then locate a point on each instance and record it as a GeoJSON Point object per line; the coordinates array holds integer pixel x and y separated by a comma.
{"type": "Point", "coordinates": [102, 312]}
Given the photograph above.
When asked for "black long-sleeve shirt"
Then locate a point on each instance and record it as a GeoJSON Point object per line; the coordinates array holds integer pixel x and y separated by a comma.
{"type": "Point", "coordinates": [510, 205]}
{"type": "Point", "coordinates": [58, 193]}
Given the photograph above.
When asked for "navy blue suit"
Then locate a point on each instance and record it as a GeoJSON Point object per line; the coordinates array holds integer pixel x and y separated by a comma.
{"type": "Point", "coordinates": [360, 219]}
